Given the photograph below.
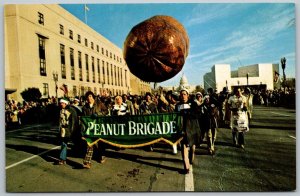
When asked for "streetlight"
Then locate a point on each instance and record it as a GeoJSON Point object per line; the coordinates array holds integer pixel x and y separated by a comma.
{"type": "Point", "coordinates": [283, 64]}
{"type": "Point", "coordinates": [55, 78]}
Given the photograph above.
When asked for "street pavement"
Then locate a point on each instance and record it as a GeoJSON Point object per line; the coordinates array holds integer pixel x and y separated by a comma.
{"type": "Point", "coordinates": [267, 164]}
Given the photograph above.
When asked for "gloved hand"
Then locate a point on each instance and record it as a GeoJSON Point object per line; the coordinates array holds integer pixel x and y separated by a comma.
{"type": "Point", "coordinates": [245, 108]}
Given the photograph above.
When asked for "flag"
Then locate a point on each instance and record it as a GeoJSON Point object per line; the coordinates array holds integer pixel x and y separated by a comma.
{"type": "Point", "coordinates": [64, 88]}
{"type": "Point", "coordinates": [86, 7]}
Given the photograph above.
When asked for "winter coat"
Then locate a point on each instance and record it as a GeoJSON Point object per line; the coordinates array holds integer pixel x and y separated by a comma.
{"type": "Point", "coordinates": [190, 124]}
{"type": "Point", "coordinates": [68, 122]}
{"type": "Point", "coordinates": [97, 109]}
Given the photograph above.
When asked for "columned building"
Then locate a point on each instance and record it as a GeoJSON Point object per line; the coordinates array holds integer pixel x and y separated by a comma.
{"type": "Point", "coordinates": [258, 75]}
{"type": "Point", "coordinates": [138, 87]}
{"type": "Point", "coordinates": [47, 47]}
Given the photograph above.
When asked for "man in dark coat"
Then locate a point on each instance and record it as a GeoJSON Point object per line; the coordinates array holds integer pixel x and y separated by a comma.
{"type": "Point", "coordinates": [94, 108]}
{"type": "Point", "coordinates": [67, 125]}
{"type": "Point", "coordinates": [208, 122]}
{"type": "Point", "coordinates": [190, 128]}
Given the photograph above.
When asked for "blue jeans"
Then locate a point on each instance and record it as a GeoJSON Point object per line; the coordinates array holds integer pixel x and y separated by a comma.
{"type": "Point", "coordinates": [63, 151]}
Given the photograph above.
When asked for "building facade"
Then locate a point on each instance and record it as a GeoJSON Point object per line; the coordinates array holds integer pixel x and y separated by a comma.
{"type": "Point", "coordinates": [252, 75]}
{"type": "Point", "coordinates": [138, 87]}
{"type": "Point", "coordinates": [46, 47]}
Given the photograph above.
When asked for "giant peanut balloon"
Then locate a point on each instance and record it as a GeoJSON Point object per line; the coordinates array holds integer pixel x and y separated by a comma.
{"type": "Point", "coordinates": [155, 49]}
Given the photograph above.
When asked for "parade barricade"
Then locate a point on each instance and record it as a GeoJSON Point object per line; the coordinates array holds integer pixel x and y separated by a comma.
{"type": "Point", "coordinates": [133, 131]}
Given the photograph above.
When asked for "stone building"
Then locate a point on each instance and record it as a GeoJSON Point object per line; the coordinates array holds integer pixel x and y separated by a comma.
{"type": "Point", "coordinates": [138, 87]}
{"type": "Point", "coordinates": [47, 47]}
{"type": "Point", "coordinates": [263, 75]}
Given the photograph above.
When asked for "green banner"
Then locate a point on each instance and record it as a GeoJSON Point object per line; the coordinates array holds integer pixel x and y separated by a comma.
{"type": "Point", "coordinates": [133, 131]}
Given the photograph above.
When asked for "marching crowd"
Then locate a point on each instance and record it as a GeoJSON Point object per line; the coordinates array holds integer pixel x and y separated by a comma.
{"type": "Point", "coordinates": [202, 115]}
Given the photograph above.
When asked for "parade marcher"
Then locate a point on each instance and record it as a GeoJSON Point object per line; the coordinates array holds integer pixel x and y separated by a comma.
{"type": "Point", "coordinates": [239, 121]}
{"type": "Point", "coordinates": [93, 108]}
{"type": "Point", "coordinates": [208, 123]}
{"type": "Point", "coordinates": [67, 125]}
{"type": "Point", "coordinates": [79, 144]}
{"type": "Point", "coordinates": [190, 128]}
{"type": "Point", "coordinates": [223, 97]}
{"type": "Point", "coordinates": [197, 105]}
{"type": "Point", "coordinates": [76, 105]}
{"type": "Point", "coordinates": [129, 104]}
{"type": "Point", "coordinates": [249, 103]}
{"type": "Point", "coordinates": [120, 108]}
{"type": "Point", "coordinates": [213, 97]}
{"type": "Point", "coordinates": [198, 98]}
{"type": "Point", "coordinates": [136, 105]}
{"type": "Point", "coordinates": [148, 106]}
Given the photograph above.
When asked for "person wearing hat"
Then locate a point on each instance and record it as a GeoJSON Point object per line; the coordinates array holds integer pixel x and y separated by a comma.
{"type": "Point", "coordinates": [190, 128]}
{"type": "Point", "coordinates": [67, 125]}
{"type": "Point", "coordinates": [198, 98]}
{"type": "Point", "coordinates": [238, 121]}
{"type": "Point", "coordinates": [197, 104]}
{"type": "Point", "coordinates": [94, 108]}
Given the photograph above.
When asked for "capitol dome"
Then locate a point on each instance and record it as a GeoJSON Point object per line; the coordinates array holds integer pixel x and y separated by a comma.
{"type": "Point", "coordinates": [184, 84]}
{"type": "Point", "coordinates": [183, 81]}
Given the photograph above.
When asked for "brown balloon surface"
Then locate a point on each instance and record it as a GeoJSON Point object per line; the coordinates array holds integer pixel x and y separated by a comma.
{"type": "Point", "coordinates": [155, 49]}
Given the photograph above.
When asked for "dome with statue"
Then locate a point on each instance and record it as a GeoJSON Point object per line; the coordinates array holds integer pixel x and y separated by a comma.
{"type": "Point", "coordinates": [184, 83]}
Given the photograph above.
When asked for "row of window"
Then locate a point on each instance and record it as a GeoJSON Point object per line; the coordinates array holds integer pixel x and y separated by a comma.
{"type": "Point", "coordinates": [81, 90]}
{"type": "Point", "coordinates": [71, 36]}
{"type": "Point", "coordinates": [111, 74]}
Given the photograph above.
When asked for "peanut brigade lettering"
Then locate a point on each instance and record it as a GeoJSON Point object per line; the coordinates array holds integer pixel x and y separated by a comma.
{"type": "Point", "coordinates": [134, 128]}
{"type": "Point", "coordinates": [133, 131]}
{"type": "Point", "coordinates": [105, 129]}
{"type": "Point", "coordinates": [151, 128]}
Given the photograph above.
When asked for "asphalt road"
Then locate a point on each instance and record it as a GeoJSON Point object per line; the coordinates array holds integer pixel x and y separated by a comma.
{"type": "Point", "coordinates": [267, 164]}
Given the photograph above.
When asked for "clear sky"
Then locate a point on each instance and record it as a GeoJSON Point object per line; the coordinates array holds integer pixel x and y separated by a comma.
{"type": "Point", "coordinates": [238, 34]}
